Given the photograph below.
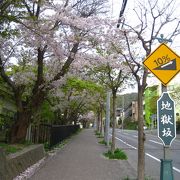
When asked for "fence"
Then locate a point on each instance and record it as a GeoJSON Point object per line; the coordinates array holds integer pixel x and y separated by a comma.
{"type": "Point", "coordinates": [50, 134]}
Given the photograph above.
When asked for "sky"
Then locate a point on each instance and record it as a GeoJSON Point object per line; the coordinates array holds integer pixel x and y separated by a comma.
{"type": "Point", "coordinates": [130, 16]}
{"type": "Point", "coordinates": [175, 46]}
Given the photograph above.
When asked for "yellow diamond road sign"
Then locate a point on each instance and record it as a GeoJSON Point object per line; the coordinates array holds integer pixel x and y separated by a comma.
{"type": "Point", "coordinates": [164, 63]}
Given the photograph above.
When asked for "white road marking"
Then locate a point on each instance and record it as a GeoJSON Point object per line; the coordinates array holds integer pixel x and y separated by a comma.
{"type": "Point", "coordinates": [153, 157]}
{"type": "Point", "coordinates": [176, 169]}
{"type": "Point", "coordinates": [135, 136]}
{"type": "Point", "coordinates": [156, 142]}
{"type": "Point", "coordinates": [126, 143]}
{"type": "Point", "coordinates": [147, 154]}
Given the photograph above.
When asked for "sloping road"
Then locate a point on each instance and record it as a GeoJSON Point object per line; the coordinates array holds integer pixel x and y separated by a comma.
{"type": "Point", "coordinates": [128, 140]}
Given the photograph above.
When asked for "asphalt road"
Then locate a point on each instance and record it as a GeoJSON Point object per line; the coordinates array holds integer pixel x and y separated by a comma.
{"type": "Point", "coordinates": [128, 140]}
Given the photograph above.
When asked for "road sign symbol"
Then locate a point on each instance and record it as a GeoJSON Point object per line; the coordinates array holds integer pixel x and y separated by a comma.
{"type": "Point", "coordinates": [171, 65]}
{"type": "Point", "coordinates": [166, 119]}
{"type": "Point", "coordinates": [164, 63]}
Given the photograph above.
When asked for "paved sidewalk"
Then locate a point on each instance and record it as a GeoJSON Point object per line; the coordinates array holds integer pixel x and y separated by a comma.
{"type": "Point", "coordinates": [82, 159]}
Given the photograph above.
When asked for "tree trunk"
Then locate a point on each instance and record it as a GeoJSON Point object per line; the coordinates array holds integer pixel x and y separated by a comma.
{"type": "Point", "coordinates": [101, 121]}
{"type": "Point", "coordinates": [19, 129]}
{"type": "Point", "coordinates": [113, 121]}
{"type": "Point", "coordinates": [98, 121]}
{"type": "Point", "coordinates": [141, 136]}
{"type": "Point", "coordinates": [25, 110]}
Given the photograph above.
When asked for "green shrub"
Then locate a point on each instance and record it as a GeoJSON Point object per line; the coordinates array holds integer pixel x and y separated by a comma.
{"type": "Point", "coordinates": [146, 178]}
{"type": "Point", "coordinates": [129, 124]}
{"type": "Point", "coordinates": [8, 148]}
{"type": "Point", "coordinates": [97, 133]}
{"type": "Point", "coordinates": [100, 136]}
{"type": "Point", "coordinates": [118, 154]}
{"type": "Point", "coordinates": [102, 142]}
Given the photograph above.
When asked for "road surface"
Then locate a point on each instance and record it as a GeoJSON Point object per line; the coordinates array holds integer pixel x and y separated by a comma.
{"type": "Point", "coordinates": [128, 140]}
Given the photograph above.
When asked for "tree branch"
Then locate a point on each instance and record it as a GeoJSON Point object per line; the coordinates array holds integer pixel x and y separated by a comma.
{"type": "Point", "coordinates": [68, 62]}
{"type": "Point", "coordinates": [5, 76]}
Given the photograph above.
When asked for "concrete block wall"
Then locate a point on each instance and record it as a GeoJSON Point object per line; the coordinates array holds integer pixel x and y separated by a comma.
{"type": "Point", "coordinates": [3, 165]}
{"type": "Point", "coordinates": [16, 163]}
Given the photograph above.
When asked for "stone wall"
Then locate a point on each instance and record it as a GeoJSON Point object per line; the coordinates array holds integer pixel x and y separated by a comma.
{"type": "Point", "coordinates": [3, 165]}
{"type": "Point", "coordinates": [13, 164]}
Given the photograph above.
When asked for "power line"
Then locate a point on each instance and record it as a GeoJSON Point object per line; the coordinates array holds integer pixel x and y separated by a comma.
{"type": "Point", "coordinates": [121, 12]}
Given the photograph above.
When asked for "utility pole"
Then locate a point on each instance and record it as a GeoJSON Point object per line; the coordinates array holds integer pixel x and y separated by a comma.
{"type": "Point", "coordinates": [121, 13]}
{"type": "Point", "coordinates": [123, 112]}
{"type": "Point", "coordinates": [107, 117]}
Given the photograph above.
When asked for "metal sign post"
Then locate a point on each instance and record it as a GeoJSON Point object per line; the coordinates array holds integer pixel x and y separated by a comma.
{"type": "Point", "coordinates": [166, 131]}
{"type": "Point", "coordinates": [164, 63]}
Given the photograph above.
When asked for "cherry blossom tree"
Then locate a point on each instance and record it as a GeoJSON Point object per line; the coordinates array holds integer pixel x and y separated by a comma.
{"type": "Point", "coordinates": [87, 118]}
{"type": "Point", "coordinates": [50, 36]}
{"type": "Point", "coordinates": [110, 68]}
{"type": "Point", "coordinates": [74, 99]}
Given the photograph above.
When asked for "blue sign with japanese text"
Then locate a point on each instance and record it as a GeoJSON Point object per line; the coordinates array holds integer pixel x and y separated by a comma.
{"type": "Point", "coordinates": [166, 119]}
